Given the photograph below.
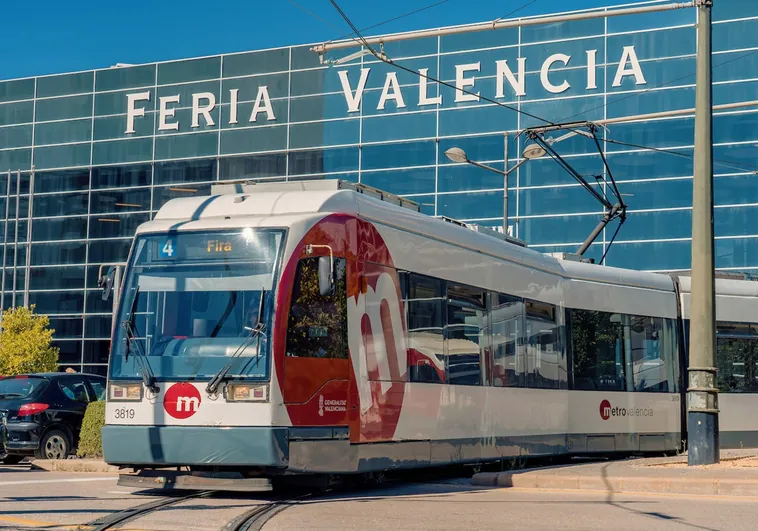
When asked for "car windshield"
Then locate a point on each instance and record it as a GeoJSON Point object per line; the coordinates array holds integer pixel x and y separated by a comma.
{"type": "Point", "coordinates": [198, 296]}
{"type": "Point", "coordinates": [15, 388]}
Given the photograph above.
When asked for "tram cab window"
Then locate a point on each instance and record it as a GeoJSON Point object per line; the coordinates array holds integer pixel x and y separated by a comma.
{"type": "Point", "coordinates": [737, 357]}
{"type": "Point", "coordinates": [464, 334]}
{"type": "Point", "coordinates": [317, 324]}
{"type": "Point", "coordinates": [545, 359]}
{"type": "Point", "coordinates": [425, 303]}
{"type": "Point", "coordinates": [506, 326]}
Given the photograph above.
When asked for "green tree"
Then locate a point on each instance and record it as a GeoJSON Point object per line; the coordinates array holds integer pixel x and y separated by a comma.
{"type": "Point", "coordinates": [25, 339]}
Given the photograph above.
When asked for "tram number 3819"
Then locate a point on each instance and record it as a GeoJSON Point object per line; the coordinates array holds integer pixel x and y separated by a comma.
{"type": "Point", "coordinates": [124, 413]}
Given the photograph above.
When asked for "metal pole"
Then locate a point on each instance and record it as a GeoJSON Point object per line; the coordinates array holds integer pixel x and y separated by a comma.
{"type": "Point", "coordinates": [5, 239]}
{"type": "Point", "coordinates": [702, 396]}
{"type": "Point", "coordinates": [30, 210]}
{"type": "Point", "coordinates": [15, 238]}
{"type": "Point", "coordinates": [505, 185]}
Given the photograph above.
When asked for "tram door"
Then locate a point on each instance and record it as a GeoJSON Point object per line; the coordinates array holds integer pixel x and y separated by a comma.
{"type": "Point", "coordinates": [316, 365]}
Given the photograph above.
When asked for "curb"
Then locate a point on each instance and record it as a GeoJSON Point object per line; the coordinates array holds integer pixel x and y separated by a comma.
{"type": "Point", "coordinates": [658, 485]}
{"type": "Point", "coordinates": [75, 465]}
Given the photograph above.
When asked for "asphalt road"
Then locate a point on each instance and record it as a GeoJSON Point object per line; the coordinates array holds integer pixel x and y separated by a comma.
{"type": "Point", "coordinates": [36, 500]}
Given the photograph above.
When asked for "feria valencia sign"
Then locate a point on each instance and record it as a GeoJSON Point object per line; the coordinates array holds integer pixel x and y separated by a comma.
{"type": "Point", "coordinates": [203, 103]}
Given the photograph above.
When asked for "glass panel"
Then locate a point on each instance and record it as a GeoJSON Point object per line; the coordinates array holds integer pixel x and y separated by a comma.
{"type": "Point", "coordinates": [652, 358]}
{"type": "Point", "coordinates": [303, 57]}
{"type": "Point", "coordinates": [506, 329]}
{"type": "Point", "coordinates": [323, 161]}
{"type": "Point", "coordinates": [185, 93]}
{"type": "Point", "coordinates": [61, 181]}
{"type": "Point", "coordinates": [117, 103]}
{"type": "Point", "coordinates": [125, 77]}
{"type": "Point", "coordinates": [400, 127]}
{"type": "Point", "coordinates": [118, 201]}
{"type": "Point", "coordinates": [140, 149]}
{"type": "Point", "coordinates": [648, 21]}
{"type": "Point", "coordinates": [70, 352]}
{"type": "Point", "coordinates": [468, 177]}
{"type": "Point", "coordinates": [734, 9]}
{"type": "Point", "coordinates": [182, 146]}
{"type": "Point", "coordinates": [399, 155]}
{"type": "Point", "coordinates": [563, 30]}
{"type": "Point", "coordinates": [317, 323]}
{"type": "Point", "coordinates": [734, 35]}
{"type": "Point", "coordinates": [66, 327]}
{"type": "Point", "coordinates": [109, 251]}
{"type": "Point", "coordinates": [121, 176]}
{"type": "Point", "coordinates": [65, 84]}
{"type": "Point", "coordinates": [59, 229]}
{"type": "Point", "coordinates": [18, 159]}
{"type": "Point", "coordinates": [100, 370]}
{"type": "Point", "coordinates": [163, 194]}
{"type": "Point", "coordinates": [60, 204]}
{"type": "Point", "coordinates": [97, 352]}
{"type": "Point", "coordinates": [481, 39]}
{"type": "Point", "coordinates": [654, 225]}
{"type": "Point", "coordinates": [598, 348]}
{"type": "Point", "coordinates": [324, 134]}
{"type": "Point", "coordinates": [658, 194]}
{"type": "Point", "coordinates": [735, 190]}
{"type": "Point", "coordinates": [97, 327]}
{"type": "Point", "coordinates": [64, 108]}
{"type": "Point", "coordinates": [415, 181]}
{"type": "Point", "coordinates": [58, 253]}
{"type": "Point", "coordinates": [321, 107]}
{"type": "Point", "coordinates": [11, 137]}
{"type": "Point", "coordinates": [21, 89]}
{"type": "Point", "coordinates": [246, 118]}
{"type": "Point", "coordinates": [193, 70]}
{"type": "Point", "coordinates": [277, 86]}
{"type": "Point", "coordinates": [464, 334]}
{"type": "Point", "coordinates": [471, 205]}
{"type": "Point", "coordinates": [44, 278]}
{"type": "Point", "coordinates": [253, 140]}
{"type": "Point", "coordinates": [651, 44]}
{"type": "Point", "coordinates": [114, 127]}
{"type": "Point", "coordinates": [62, 156]}
{"type": "Point", "coordinates": [115, 225]}
{"type": "Point", "coordinates": [256, 62]}
{"type": "Point", "coordinates": [63, 132]}
{"type": "Point", "coordinates": [479, 120]}
{"type": "Point", "coordinates": [566, 199]}
{"type": "Point", "coordinates": [649, 164]}
{"type": "Point", "coordinates": [55, 302]}
{"type": "Point", "coordinates": [185, 172]}
{"type": "Point", "coordinates": [96, 304]}
{"type": "Point", "coordinates": [16, 113]}
{"type": "Point", "coordinates": [253, 167]}
{"type": "Point", "coordinates": [654, 255]}
{"type": "Point", "coordinates": [325, 81]}
{"type": "Point", "coordinates": [426, 349]}
{"type": "Point", "coordinates": [737, 357]}
{"type": "Point", "coordinates": [545, 354]}
{"type": "Point", "coordinates": [561, 229]}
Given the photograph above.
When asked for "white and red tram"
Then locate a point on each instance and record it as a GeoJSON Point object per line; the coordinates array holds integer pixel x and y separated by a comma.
{"type": "Point", "coordinates": [325, 327]}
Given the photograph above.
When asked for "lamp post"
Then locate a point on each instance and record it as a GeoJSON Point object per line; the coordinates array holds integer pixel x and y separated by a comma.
{"type": "Point", "coordinates": [532, 151]}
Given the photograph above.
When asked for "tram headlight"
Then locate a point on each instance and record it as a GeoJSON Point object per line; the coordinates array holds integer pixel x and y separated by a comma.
{"type": "Point", "coordinates": [246, 392]}
{"type": "Point", "coordinates": [125, 391]}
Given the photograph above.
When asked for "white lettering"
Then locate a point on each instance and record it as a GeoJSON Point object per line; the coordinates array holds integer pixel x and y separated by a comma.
{"type": "Point", "coordinates": [391, 83]}
{"type": "Point", "coordinates": [353, 99]}
{"type": "Point", "coordinates": [165, 112]}
{"type": "Point", "coordinates": [504, 72]}
{"type": "Point", "coordinates": [132, 111]}
{"type": "Point", "coordinates": [233, 98]}
{"type": "Point", "coordinates": [591, 69]}
{"type": "Point", "coordinates": [205, 110]}
{"type": "Point", "coordinates": [634, 68]}
{"type": "Point", "coordinates": [462, 82]}
{"type": "Point", "coordinates": [423, 92]}
{"type": "Point", "coordinates": [555, 89]}
{"type": "Point", "coordinates": [262, 104]}
{"type": "Point", "coordinates": [187, 403]}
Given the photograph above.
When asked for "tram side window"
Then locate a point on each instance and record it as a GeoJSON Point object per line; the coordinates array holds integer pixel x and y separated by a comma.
{"type": "Point", "coordinates": [545, 360]}
{"type": "Point", "coordinates": [317, 325]}
{"type": "Point", "coordinates": [737, 357]}
{"type": "Point", "coordinates": [597, 347]}
{"type": "Point", "coordinates": [464, 334]}
{"type": "Point", "coordinates": [506, 328]}
{"type": "Point", "coordinates": [652, 347]}
{"type": "Point", "coordinates": [425, 303]}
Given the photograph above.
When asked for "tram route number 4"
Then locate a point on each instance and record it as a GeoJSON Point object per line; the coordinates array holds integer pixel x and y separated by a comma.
{"type": "Point", "coordinates": [167, 249]}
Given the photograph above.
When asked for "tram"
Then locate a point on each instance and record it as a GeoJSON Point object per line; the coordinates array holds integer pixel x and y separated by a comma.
{"type": "Point", "coordinates": [325, 327]}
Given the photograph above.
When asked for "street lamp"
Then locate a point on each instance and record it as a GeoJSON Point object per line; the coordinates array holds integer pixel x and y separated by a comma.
{"type": "Point", "coordinates": [532, 151]}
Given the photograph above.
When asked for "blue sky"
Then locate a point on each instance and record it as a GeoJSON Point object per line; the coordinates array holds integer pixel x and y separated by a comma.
{"type": "Point", "coordinates": [50, 36]}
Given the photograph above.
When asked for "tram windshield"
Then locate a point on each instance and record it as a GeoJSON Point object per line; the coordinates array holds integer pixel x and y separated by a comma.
{"type": "Point", "coordinates": [191, 301]}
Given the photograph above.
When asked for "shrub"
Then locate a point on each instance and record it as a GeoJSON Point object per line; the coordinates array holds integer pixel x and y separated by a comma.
{"type": "Point", "coordinates": [25, 343]}
{"type": "Point", "coordinates": [90, 441]}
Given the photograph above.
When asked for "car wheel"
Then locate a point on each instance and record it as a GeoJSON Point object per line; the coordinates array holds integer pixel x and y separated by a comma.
{"type": "Point", "coordinates": [54, 445]}
{"type": "Point", "coordinates": [13, 459]}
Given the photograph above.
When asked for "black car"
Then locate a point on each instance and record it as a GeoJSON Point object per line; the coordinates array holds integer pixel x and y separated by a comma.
{"type": "Point", "coordinates": [44, 412]}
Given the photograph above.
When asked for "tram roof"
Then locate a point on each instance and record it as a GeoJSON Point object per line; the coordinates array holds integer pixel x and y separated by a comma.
{"type": "Point", "coordinates": [291, 203]}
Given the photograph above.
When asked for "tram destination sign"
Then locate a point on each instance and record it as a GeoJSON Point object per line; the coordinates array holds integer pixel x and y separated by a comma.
{"type": "Point", "coordinates": [551, 79]}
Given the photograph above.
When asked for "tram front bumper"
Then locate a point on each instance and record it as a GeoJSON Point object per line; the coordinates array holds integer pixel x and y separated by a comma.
{"type": "Point", "coordinates": [196, 445]}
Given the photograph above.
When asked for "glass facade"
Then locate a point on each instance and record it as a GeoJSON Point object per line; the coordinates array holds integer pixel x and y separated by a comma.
{"type": "Point", "coordinates": [110, 147]}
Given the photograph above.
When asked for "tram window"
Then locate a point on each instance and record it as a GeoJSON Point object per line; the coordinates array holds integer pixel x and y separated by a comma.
{"type": "Point", "coordinates": [506, 327]}
{"type": "Point", "coordinates": [597, 347]}
{"type": "Point", "coordinates": [317, 326]}
{"type": "Point", "coordinates": [545, 359]}
{"type": "Point", "coordinates": [737, 357]}
{"type": "Point", "coordinates": [464, 334]}
{"type": "Point", "coordinates": [652, 345]}
{"type": "Point", "coordinates": [425, 303]}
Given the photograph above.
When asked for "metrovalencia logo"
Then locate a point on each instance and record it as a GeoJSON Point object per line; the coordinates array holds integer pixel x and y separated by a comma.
{"type": "Point", "coordinates": [607, 411]}
{"type": "Point", "coordinates": [182, 400]}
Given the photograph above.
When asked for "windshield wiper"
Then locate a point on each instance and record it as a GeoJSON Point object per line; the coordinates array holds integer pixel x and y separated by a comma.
{"type": "Point", "coordinates": [147, 372]}
{"type": "Point", "coordinates": [254, 332]}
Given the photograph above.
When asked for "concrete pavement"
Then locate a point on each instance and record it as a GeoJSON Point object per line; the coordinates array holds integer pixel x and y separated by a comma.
{"type": "Point", "coordinates": [735, 475]}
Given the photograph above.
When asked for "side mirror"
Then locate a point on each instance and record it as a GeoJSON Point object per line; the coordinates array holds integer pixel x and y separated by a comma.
{"type": "Point", "coordinates": [325, 276]}
{"type": "Point", "coordinates": [105, 282]}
